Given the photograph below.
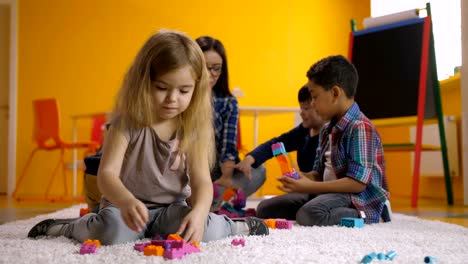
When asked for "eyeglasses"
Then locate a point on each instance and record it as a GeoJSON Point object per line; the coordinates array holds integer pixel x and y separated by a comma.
{"type": "Point", "coordinates": [215, 69]}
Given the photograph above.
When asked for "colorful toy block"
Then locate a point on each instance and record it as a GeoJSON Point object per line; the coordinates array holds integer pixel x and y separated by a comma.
{"type": "Point", "coordinates": [172, 248]}
{"type": "Point", "coordinates": [352, 222]}
{"type": "Point", "coordinates": [238, 241]}
{"type": "Point", "coordinates": [281, 156]}
{"type": "Point", "coordinates": [278, 223]}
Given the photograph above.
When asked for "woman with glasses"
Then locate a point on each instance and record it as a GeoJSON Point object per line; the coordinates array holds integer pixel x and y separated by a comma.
{"type": "Point", "coordinates": [226, 118]}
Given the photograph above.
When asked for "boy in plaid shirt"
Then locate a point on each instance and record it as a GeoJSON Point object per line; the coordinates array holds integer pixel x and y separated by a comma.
{"type": "Point", "coordinates": [349, 170]}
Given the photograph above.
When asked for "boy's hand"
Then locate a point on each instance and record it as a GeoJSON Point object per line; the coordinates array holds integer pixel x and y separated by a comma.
{"type": "Point", "coordinates": [245, 166]}
{"type": "Point", "coordinates": [301, 185]}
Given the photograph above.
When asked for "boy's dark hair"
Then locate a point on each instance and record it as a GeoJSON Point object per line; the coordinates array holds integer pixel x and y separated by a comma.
{"type": "Point", "coordinates": [207, 43]}
{"type": "Point", "coordinates": [335, 70]}
{"type": "Point", "coordinates": [304, 95]}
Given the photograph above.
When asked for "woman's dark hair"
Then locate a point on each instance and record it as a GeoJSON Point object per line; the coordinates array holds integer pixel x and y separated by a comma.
{"type": "Point", "coordinates": [207, 43]}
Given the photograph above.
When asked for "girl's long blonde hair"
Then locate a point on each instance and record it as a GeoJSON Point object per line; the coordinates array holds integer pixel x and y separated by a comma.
{"type": "Point", "coordinates": [163, 52]}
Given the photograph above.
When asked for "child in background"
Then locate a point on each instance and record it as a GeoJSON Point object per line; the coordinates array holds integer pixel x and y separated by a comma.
{"type": "Point", "coordinates": [157, 153]}
{"type": "Point", "coordinates": [349, 169]}
{"type": "Point", "coordinates": [303, 139]}
{"type": "Point", "coordinates": [226, 118]}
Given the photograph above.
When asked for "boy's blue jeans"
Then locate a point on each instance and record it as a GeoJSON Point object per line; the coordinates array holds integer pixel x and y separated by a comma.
{"type": "Point", "coordinates": [308, 209]}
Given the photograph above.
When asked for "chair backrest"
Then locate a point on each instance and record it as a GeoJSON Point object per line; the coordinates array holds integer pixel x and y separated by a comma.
{"type": "Point", "coordinates": [97, 129]}
{"type": "Point", "coordinates": [46, 123]}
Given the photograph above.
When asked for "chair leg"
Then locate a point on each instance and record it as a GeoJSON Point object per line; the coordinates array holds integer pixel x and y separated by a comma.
{"type": "Point", "coordinates": [49, 185]}
{"type": "Point", "coordinates": [64, 173]}
{"type": "Point", "coordinates": [23, 174]}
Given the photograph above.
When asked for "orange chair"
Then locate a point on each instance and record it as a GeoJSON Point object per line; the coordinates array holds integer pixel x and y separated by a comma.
{"type": "Point", "coordinates": [47, 137]}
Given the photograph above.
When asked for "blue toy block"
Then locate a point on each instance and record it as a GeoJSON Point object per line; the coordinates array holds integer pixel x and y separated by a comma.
{"type": "Point", "coordinates": [352, 222]}
{"type": "Point", "coordinates": [391, 255]}
{"type": "Point", "coordinates": [368, 258]}
{"type": "Point", "coordinates": [381, 256]}
{"type": "Point", "coordinates": [429, 259]}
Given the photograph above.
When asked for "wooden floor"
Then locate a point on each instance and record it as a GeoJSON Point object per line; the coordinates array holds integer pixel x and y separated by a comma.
{"type": "Point", "coordinates": [11, 210]}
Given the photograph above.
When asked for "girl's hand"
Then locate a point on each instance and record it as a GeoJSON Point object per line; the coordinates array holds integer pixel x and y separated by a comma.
{"type": "Point", "coordinates": [193, 226]}
{"type": "Point", "coordinates": [301, 185]}
{"type": "Point", "coordinates": [135, 214]}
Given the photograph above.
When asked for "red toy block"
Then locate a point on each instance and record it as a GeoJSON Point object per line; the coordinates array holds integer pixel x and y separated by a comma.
{"type": "Point", "coordinates": [84, 211]}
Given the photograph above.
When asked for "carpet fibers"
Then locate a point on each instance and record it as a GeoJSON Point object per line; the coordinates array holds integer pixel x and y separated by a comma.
{"type": "Point", "coordinates": [411, 238]}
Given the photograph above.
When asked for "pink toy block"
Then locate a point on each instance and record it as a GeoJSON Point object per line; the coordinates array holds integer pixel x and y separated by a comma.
{"type": "Point", "coordinates": [88, 249]}
{"type": "Point", "coordinates": [238, 241]}
{"type": "Point", "coordinates": [174, 253]}
{"type": "Point", "coordinates": [283, 224]}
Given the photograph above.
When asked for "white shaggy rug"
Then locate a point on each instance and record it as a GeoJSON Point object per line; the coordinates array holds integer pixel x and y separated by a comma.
{"type": "Point", "coordinates": [411, 238]}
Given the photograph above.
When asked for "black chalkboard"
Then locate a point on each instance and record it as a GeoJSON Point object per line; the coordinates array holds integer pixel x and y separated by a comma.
{"type": "Point", "coordinates": [388, 61]}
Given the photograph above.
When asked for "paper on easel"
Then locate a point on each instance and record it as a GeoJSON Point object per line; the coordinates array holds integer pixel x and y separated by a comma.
{"type": "Point", "coordinates": [392, 18]}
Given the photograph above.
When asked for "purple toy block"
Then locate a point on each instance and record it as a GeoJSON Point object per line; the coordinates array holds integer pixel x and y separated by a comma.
{"type": "Point", "coordinates": [283, 224]}
{"type": "Point", "coordinates": [159, 237]}
{"type": "Point", "coordinates": [88, 249]}
{"type": "Point", "coordinates": [238, 241]}
{"type": "Point", "coordinates": [239, 200]}
{"type": "Point", "coordinates": [250, 212]}
{"type": "Point", "coordinates": [140, 246]}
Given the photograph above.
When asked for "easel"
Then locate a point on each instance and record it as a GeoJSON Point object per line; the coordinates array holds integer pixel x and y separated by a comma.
{"type": "Point", "coordinates": [427, 79]}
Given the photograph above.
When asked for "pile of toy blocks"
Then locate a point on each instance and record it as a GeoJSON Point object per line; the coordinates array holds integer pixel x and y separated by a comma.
{"type": "Point", "coordinates": [232, 203]}
{"type": "Point", "coordinates": [172, 247]}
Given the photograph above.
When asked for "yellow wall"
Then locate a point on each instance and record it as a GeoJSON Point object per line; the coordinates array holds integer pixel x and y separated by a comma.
{"type": "Point", "coordinates": [78, 51]}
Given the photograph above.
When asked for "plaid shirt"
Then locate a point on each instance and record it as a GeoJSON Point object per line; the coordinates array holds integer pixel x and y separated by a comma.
{"type": "Point", "coordinates": [226, 116]}
{"type": "Point", "coordinates": [357, 153]}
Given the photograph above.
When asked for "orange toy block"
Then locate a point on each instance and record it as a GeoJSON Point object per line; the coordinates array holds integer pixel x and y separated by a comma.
{"type": "Point", "coordinates": [93, 242]}
{"type": "Point", "coordinates": [174, 237]}
{"type": "Point", "coordinates": [284, 164]}
{"type": "Point", "coordinates": [228, 194]}
{"type": "Point", "coordinates": [271, 223]}
{"type": "Point", "coordinates": [196, 244]}
{"type": "Point", "coordinates": [152, 250]}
